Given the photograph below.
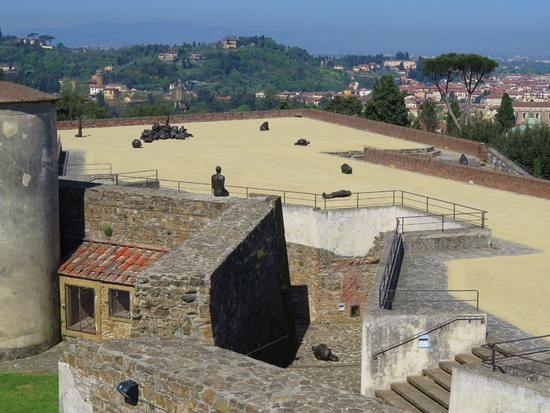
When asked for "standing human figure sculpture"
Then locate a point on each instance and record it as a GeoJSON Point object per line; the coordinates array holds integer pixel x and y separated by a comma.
{"type": "Point", "coordinates": [218, 183]}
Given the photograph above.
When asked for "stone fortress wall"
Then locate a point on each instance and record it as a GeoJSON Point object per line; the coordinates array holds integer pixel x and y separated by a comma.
{"type": "Point", "coordinates": [90, 371]}
{"type": "Point", "coordinates": [225, 282]}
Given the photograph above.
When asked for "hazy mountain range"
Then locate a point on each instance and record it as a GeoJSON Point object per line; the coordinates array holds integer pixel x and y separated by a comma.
{"type": "Point", "coordinates": [106, 34]}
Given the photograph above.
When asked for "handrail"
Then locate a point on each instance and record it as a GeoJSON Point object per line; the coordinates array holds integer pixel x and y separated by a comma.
{"type": "Point", "coordinates": [440, 291]}
{"type": "Point", "coordinates": [437, 327]}
{"type": "Point", "coordinates": [393, 264]}
{"type": "Point", "coordinates": [432, 206]}
{"type": "Point", "coordinates": [511, 354]}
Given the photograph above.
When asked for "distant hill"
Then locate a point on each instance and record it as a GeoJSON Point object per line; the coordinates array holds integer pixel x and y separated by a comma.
{"type": "Point", "coordinates": [107, 34]}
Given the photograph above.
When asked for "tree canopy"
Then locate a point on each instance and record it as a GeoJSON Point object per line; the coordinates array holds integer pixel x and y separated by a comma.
{"type": "Point", "coordinates": [427, 116]}
{"type": "Point", "coordinates": [387, 103]}
{"type": "Point", "coordinates": [505, 115]}
{"type": "Point", "coordinates": [471, 68]}
{"type": "Point", "coordinates": [345, 105]}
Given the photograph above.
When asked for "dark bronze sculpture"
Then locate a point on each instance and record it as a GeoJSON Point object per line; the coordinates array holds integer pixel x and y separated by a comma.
{"type": "Point", "coordinates": [302, 142]}
{"type": "Point", "coordinates": [322, 352]}
{"type": "Point", "coordinates": [164, 132]}
{"type": "Point", "coordinates": [346, 169]}
{"type": "Point", "coordinates": [342, 193]}
{"type": "Point", "coordinates": [136, 143]}
{"type": "Point", "coordinates": [264, 126]}
{"type": "Point", "coordinates": [218, 183]}
{"type": "Point", "coordinates": [463, 160]}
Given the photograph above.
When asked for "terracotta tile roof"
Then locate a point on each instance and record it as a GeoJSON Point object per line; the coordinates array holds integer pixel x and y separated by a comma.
{"type": "Point", "coordinates": [13, 93]}
{"type": "Point", "coordinates": [109, 261]}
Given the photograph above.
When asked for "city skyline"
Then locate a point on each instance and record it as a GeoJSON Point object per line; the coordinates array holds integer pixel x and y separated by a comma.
{"type": "Point", "coordinates": [424, 27]}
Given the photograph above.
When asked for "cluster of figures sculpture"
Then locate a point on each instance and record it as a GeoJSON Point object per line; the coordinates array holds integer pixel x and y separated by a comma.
{"type": "Point", "coordinates": [264, 126]}
{"type": "Point", "coordinates": [463, 160]}
{"type": "Point", "coordinates": [158, 131]}
{"type": "Point", "coordinates": [322, 352]}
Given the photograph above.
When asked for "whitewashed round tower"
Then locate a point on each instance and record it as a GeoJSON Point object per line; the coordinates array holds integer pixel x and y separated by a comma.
{"type": "Point", "coordinates": [29, 222]}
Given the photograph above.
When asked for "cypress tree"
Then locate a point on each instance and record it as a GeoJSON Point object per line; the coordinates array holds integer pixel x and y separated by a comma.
{"type": "Point", "coordinates": [387, 103]}
{"type": "Point", "coordinates": [505, 114]}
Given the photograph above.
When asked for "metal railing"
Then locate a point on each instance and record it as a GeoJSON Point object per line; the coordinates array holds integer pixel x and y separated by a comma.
{"type": "Point", "coordinates": [498, 347]}
{"type": "Point", "coordinates": [481, 318]}
{"type": "Point", "coordinates": [388, 284]}
{"type": "Point", "coordinates": [443, 211]}
{"type": "Point", "coordinates": [443, 293]}
{"type": "Point", "coordinates": [89, 169]}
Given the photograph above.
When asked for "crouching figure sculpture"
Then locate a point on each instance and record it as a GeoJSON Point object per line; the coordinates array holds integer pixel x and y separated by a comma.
{"type": "Point", "coordinates": [346, 169]}
{"type": "Point", "coordinates": [322, 352]}
{"type": "Point", "coordinates": [302, 142]}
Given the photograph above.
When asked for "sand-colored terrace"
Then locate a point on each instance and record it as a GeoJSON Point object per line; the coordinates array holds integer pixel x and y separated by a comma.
{"type": "Point", "coordinates": [516, 288]}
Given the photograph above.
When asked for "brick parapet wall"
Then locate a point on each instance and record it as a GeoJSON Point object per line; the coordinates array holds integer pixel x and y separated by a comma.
{"type": "Point", "coordinates": [463, 173]}
{"type": "Point", "coordinates": [434, 139]}
{"type": "Point", "coordinates": [183, 375]}
{"type": "Point", "coordinates": [179, 119]}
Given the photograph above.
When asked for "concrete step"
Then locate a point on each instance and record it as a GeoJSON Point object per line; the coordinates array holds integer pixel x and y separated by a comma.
{"type": "Point", "coordinates": [431, 389]}
{"type": "Point", "coordinates": [440, 376]}
{"type": "Point", "coordinates": [392, 398]}
{"type": "Point", "coordinates": [449, 365]}
{"type": "Point", "coordinates": [467, 358]}
{"type": "Point", "coordinates": [417, 398]}
{"type": "Point", "coordinates": [483, 353]}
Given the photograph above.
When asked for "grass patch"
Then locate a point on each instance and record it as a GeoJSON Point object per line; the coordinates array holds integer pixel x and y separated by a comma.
{"type": "Point", "coordinates": [27, 393]}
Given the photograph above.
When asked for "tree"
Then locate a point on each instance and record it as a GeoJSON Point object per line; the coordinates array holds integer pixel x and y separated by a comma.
{"type": "Point", "coordinates": [427, 116]}
{"type": "Point", "coordinates": [505, 115]}
{"type": "Point", "coordinates": [350, 106]}
{"type": "Point", "coordinates": [473, 69]}
{"type": "Point", "coordinates": [453, 128]}
{"type": "Point", "coordinates": [387, 103]}
{"type": "Point", "coordinates": [441, 71]}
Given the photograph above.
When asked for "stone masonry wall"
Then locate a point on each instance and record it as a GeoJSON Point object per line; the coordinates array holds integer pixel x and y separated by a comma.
{"type": "Point", "coordinates": [492, 179]}
{"type": "Point", "coordinates": [136, 215]}
{"type": "Point", "coordinates": [183, 375]}
{"type": "Point", "coordinates": [226, 284]}
{"type": "Point", "coordinates": [225, 239]}
{"type": "Point", "coordinates": [333, 280]}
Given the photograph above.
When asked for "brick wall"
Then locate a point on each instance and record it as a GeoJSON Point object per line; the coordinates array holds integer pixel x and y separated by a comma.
{"type": "Point", "coordinates": [463, 173]}
{"type": "Point", "coordinates": [332, 280]}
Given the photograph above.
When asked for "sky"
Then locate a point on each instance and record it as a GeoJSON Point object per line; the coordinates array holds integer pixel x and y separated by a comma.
{"type": "Point", "coordinates": [425, 27]}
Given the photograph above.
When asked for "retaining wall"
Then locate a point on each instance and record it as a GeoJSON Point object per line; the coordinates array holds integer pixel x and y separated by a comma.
{"type": "Point", "coordinates": [476, 388]}
{"type": "Point", "coordinates": [462, 173]}
{"type": "Point", "coordinates": [183, 375]}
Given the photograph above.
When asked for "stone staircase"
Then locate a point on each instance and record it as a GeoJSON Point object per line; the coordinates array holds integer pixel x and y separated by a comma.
{"type": "Point", "coordinates": [430, 392]}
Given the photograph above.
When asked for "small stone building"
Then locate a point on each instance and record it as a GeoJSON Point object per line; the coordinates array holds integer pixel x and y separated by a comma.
{"type": "Point", "coordinates": [97, 288]}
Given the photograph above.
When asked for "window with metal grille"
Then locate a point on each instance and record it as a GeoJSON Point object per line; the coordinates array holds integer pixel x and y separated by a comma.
{"type": "Point", "coordinates": [79, 308]}
{"type": "Point", "coordinates": [119, 303]}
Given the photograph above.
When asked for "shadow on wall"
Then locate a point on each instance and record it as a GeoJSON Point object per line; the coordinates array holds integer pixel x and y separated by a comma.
{"type": "Point", "coordinates": [71, 215]}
